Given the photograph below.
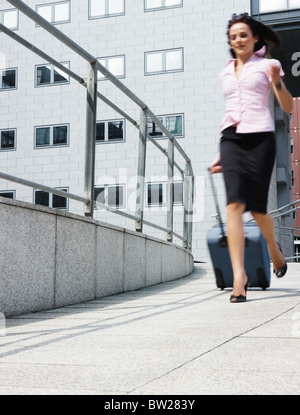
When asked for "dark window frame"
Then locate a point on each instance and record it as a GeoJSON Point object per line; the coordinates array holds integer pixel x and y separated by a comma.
{"type": "Point", "coordinates": [163, 118]}
{"type": "Point", "coordinates": [16, 79]}
{"type": "Point", "coordinates": [107, 14]}
{"type": "Point", "coordinates": [51, 136]}
{"type": "Point", "coordinates": [105, 190]}
{"type": "Point", "coordinates": [9, 148]}
{"type": "Point", "coordinates": [2, 12]}
{"type": "Point", "coordinates": [106, 131]}
{"type": "Point", "coordinates": [51, 198]}
{"type": "Point", "coordinates": [276, 18]}
{"type": "Point", "coordinates": [162, 7]}
{"type": "Point", "coordinates": [164, 70]}
{"type": "Point", "coordinates": [52, 69]}
{"type": "Point", "coordinates": [161, 200]}
{"type": "Point", "coordinates": [8, 193]}
{"type": "Point", "coordinates": [52, 4]}
{"type": "Point", "coordinates": [107, 58]}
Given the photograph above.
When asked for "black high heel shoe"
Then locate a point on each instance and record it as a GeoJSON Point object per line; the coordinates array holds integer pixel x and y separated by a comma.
{"type": "Point", "coordinates": [280, 272]}
{"type": "Point", "coordinates": [241, 298]}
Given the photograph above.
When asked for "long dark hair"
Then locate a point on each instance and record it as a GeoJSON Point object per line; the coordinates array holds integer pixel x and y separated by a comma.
{"type": "Point", "coordinates": [267, 37]}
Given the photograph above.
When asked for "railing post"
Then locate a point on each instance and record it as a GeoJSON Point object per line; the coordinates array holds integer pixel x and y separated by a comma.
{"type": "Point", "coordinates": [191, 215]}
{"type": "Point", "coordinates": [188, 207]}
{"type": "Point", "coordinates": [170, 191]}
{"type": "Point", "coordinates": [90, 140]}
{"type": "Point", "coordinates": [280, 230]}
{"type": "Point", "coordinates": [140, 187]}
{"type": "Point", "coordinates": [90, 147]}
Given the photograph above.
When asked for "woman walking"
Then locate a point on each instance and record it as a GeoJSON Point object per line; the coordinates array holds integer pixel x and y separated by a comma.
{"type": "Point", "coordinates": [247, 149]}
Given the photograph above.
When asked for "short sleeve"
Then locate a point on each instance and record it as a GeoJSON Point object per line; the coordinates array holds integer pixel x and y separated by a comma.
{"type": "Point", "coordinates": [271, 62]}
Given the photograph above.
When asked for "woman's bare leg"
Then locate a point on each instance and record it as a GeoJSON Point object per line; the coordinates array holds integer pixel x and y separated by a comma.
{"type": "Point", "coordinates": [236, 243]}
{"type": "Point", "coordinates": [266, 225]}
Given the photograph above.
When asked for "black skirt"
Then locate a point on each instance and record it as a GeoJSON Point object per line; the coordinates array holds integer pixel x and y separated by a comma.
{"type": "Point", "coordinates": [247, 162]}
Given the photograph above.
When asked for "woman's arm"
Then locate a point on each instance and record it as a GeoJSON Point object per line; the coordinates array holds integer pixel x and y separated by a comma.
{"type": "Point", "coordinates": [216, 166]}
{"type": "Point", "coordinates": [282, 95]}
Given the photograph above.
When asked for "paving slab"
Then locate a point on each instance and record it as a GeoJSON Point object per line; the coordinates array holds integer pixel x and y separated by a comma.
{"type": "Point", "coordinates": [182, 337]}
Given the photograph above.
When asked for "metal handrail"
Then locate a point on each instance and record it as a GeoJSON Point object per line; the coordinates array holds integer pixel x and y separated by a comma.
{"type": "Point", "coordinates": [92, 60]}
{"type": "Point", "coordinates": [82, 81]}
{"type": "Point", "coordinates": [91, 84]}
{"type": "Point", "coordinates": [42, 187]}
{"type": "Point", "coordinates": [278, 214]}
{"type": "Point", "coordinates": [132, 217]}
{"type": "Point", "coordinates": [273, 212]}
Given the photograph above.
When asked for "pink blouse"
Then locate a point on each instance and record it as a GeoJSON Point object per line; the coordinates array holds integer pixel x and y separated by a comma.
{"type": "Point", "coordinates": [247, 97]}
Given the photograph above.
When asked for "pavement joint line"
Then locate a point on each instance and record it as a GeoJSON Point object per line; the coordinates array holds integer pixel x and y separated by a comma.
{"type": "Point", "coordinates": [89, 327]}
{"type": "Point", "coordinates": [280, 321]}
{"type": "Point", "coordinates": [214, 348]}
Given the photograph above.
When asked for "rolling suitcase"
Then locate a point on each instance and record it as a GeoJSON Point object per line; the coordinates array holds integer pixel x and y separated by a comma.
{"type": "Point", "coordinates": [257, 260]}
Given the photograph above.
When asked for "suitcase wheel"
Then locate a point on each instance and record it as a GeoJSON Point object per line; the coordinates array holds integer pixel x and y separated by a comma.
{"type": "Point", "coordinates": [219, 277]}
{"type": "Point", "coordinates": [263, 282]}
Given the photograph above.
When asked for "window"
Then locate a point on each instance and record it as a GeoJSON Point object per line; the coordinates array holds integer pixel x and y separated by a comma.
{"type": "Point", "coordinates": [50, 75]}
{"type": "Point", "coordinates": [157, 194]}
{"type": "Point", "coordinates": [154, 194]}
{"type": "Point", "coordinates": [55, 13]}
{"type": "Point", "coordinates": [266, 6]}
{"type": "Point", "coordinates": [10, 18]}
{"type": "Point", "coordinates": [111, 195]}
{"type": "Point", "coordinates": [106, 8]}
{"type": "Point", "coordinates": [51, 136]}
{"type": "Point", "coordinates": [9, 194]}
{"type": "Point", "coordinates": [178, 193]}
{"type": "Point", "coordinates": [162, 4]}
{"type": "Point", "coordinates": [164, 61]}
{"type": "Point", "coordinates": [173, 123]}
{"type": "Point", "coordinates": [48, 199]}
{"type": "Point", "coordinates": [115, 65]}
{"type": "Point", "coordinates": [8, 79]}
{"type": "Point", "coordinates": [8, 140]}
{"type": "Point", "coordinates": [110, 131]}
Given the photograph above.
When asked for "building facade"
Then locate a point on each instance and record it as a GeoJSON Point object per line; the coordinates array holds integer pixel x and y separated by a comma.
{"type": "Point", "coordinates": [295, 147]}
{"type": "Point", "coordinates": [284, 17]}
{"type": "Point", "coordinates": [170, 54]}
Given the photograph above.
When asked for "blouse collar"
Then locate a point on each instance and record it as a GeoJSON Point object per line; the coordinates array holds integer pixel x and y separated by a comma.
{"type": "Point", "coordinates": [259, 54]}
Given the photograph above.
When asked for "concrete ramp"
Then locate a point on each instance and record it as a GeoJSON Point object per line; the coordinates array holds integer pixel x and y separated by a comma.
{"type": "Point", "coordinates": [50, 258]}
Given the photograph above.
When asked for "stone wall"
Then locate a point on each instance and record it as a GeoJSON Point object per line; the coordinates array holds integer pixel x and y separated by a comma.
{"type": "Point", "coordinates": [50, 258]}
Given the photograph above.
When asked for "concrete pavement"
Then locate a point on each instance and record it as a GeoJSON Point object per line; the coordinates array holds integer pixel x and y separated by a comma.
{"type": "Point", "coordinates": [178, 338]}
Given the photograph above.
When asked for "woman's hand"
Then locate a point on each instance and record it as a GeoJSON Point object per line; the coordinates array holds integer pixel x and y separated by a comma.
{"type": "Point", "coordinates": [274, 72]}
{"type": "Point", "coordinates": [216, 165]}
{"type": "Point", "coordinates": [282, 95]}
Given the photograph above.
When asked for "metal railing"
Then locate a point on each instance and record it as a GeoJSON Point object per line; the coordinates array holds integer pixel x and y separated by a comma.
{"type": "Point", "coordinates": [90, 83]}
{"type": "Point", "coordinates": [281, 230]}
{"type": "Point", "coordinates": [278, 215]}
{"type": "Point", "coordinates": [285, 210]}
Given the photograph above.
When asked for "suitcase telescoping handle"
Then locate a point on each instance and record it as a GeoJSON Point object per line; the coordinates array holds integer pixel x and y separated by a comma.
{"type": "Point", "coordinates": [224, 238]}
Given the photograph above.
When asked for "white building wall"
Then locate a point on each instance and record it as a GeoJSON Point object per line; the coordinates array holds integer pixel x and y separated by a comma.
{"type": "Point", "coordinates": [199, 27]}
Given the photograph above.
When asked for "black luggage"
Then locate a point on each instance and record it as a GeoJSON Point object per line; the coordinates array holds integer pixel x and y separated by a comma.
{"type": "Point", "coordinates": [257, 260]}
